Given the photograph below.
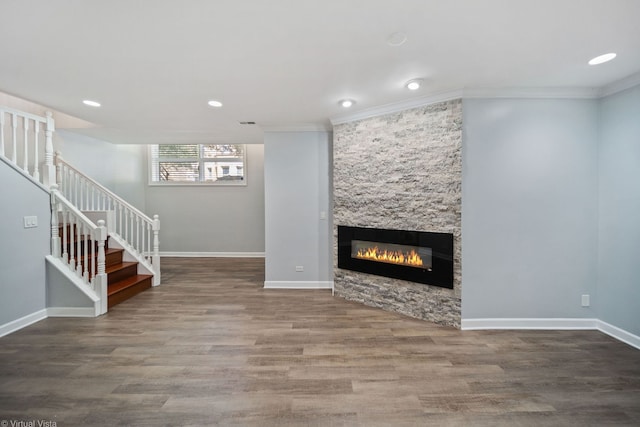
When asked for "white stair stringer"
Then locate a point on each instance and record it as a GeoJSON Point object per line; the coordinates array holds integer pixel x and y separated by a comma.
{"type": "Point", "coordinates": [70, 291]}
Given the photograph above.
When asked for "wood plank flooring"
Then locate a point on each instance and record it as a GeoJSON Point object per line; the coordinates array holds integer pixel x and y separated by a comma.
{"type": "Point", "coordinates": [212, 347]}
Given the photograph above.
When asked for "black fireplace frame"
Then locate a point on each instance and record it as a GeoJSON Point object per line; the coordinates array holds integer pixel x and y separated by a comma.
{"type": "Point", "coordinates": [441, 244]}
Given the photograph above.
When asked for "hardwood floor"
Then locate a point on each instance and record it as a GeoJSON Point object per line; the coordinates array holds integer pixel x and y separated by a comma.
{"type": "Point", "coordinates": [211, 347]}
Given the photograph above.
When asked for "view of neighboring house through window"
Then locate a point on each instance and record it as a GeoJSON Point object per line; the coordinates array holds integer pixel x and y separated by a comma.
{"type": "Point", "coordinates": [221, 164]}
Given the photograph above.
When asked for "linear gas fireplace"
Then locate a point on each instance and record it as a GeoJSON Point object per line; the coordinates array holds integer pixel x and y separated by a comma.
{"type": "Point", "coordinates": [416, 256]}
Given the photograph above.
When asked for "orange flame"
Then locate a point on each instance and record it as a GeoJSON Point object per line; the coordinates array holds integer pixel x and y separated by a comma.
{"type": "Point", "coordinates": [393, 257]}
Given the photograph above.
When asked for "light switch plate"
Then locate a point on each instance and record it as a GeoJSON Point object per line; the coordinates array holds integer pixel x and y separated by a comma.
{"type": "Point", "coordinates": [30, 221]}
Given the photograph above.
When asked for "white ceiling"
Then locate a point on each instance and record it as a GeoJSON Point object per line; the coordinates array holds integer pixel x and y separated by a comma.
{"type": "Point", "coordinates": [154, 64]}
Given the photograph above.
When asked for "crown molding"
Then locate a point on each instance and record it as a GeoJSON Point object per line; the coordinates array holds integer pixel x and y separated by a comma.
{"type": "Point", "coordinates": [302, 127]}
{"type": "Point", "coordinates": [533, 92]}
{"type": "Point", "coordinates": [620, 85]}
{"type": "Point", "coordinates": [514, 92]}
{"type": "Point", "coordinates": [397, 107]}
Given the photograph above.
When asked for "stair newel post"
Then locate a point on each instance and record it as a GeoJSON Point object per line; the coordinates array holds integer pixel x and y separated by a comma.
{"type": "Point", "coordinates": [55, 235]}
{"type": "Point", "coordinates": [49, 177]}
{"type": "Point", "coordinates": [100, 283]}
{"type": "Point", "coordinates": [155, 261]}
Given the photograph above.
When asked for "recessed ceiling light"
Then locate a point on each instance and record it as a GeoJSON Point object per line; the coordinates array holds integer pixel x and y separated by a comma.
{"type": "Point", "coordinates": [213, 103]}
{"type": "Point", "coordinates": [602, 59]}
{"type": "Point", "coordinates": [396, 39]}
{"type": "Point", "coordinates": [413, 84]}
{"type": "Point", "coordinates": [91, 103]}
{"type": "Point", "coordinates": [346, 103]}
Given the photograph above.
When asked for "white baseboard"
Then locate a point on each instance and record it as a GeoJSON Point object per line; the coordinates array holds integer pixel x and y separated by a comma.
{"type": "Point", "coordinates": [71, 312]}
{"type": "Point", "coordinates": [557, 324]}
{"type": "Point", "coordinates": [213, 254]}
{"type": "Point", "coordinates": [22, 322]}
{"type": "Point", "coordinates": [619, 334]}
{"type": "Point", "coordinates": [553, 324]}
{"type": "Point", "coordinates": [297, 285]}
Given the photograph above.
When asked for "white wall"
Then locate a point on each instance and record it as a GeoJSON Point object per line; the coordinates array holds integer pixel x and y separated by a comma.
{"type": "Point", "coordinates": [619, 211]}
{"type": "Point", "coordinates": [212, 219]}
{"type": "Point", "coordinates": [529, 208]}
{"type": "Point", "coordinates": [22, 251]}
{"type": "Point", "coordinates": [297, 190]}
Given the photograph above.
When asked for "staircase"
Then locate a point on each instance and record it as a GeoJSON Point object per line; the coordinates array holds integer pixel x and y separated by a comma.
{"type": "Point", "coordinates": [123, 280]}
{"type": "Point", "coordinates": [107, 248]}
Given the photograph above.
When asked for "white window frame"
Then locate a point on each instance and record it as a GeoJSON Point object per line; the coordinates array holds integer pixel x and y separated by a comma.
{"type": "Point", "coordinates": [152, 162]}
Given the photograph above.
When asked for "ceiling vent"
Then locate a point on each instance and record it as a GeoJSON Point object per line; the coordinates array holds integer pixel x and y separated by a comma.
{"type": "Point", "coordinates": [247, 123]}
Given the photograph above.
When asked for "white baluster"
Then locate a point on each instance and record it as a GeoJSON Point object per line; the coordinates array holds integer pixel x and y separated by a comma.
{"type": "Point", "coordinates": [127, 222]}
{"type": "Point", "coordinates": [65, 254]}
{"type": "Point", "coordinates": [25, 143]}
{"type": "Point", "coordinates": [138, 234]}
{"type": "Point", "coordinates": [69, 189]}
{"type": "Point", "coordinates": [36, 166]}
{"type": "Point", "coordinates": [59, 171]}
{"type": "Point", "coordinates": [78, 241]}
{"type": "Point", "coordinates": [147, 249]}
{"type": "Point", "coordinates": [55, 238]}
{"type": "Point", "coordinates": [72, 241]}
{"type": "Point", "coordinates": [79, 182]}
{"type": "Point", "coordinates": [76, 186]}
{"type": "Point", "coordinates": [14, 128]}
{"type": "Point", "coordinates": [1, 133]}
{"type": "Point", "coordinates": [120, 215]}
{"type": "Point", "coordinates": [82, 185]}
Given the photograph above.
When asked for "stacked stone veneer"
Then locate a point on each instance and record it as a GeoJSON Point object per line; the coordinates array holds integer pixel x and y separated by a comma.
{"type": "Point", "coordinates": [401, 171]}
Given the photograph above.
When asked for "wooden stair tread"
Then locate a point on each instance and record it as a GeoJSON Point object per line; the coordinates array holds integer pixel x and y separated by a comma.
{"type": "Point", "coordinates": [107, 252]}
{"type": "Point", "coordinates": [120, 266]}
{"type": "Point", "coordinates": [127, 283]}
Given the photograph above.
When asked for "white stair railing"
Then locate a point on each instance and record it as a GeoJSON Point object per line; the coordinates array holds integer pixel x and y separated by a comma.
{"type": "Point", "coordinates": [20, 143]}
{"type": "Point", "coordinates": [132, 228]}
{"type": "Point", "coordinates": [80, 244]}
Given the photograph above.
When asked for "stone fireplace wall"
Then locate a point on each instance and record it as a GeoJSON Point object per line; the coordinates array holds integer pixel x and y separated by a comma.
{"type": "Point", "coordinates": [401, 171]}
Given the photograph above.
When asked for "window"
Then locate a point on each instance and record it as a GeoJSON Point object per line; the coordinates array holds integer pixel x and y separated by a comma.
{"type": "Point", "coordinates": [218, 164]}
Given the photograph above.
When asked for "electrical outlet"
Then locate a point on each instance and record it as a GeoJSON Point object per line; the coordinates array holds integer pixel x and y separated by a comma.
{"type": "Point", "coordinates": [299, 268]}
{"type": "Point", "coordinates": [30, 221]}
{"type": "Point", "coordinates": [585, 300]}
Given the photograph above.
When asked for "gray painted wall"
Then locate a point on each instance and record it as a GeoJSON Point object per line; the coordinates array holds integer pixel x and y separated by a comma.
{"type": "Point", "coordinates": [22, 251]}
{"type": "Point", "coordinates": [121, 168]}
{"type": "Point", "coordinates": [296, 191]}
{"type": "Point", "coordinates": [211, 218]}
{"type": "Point", "coordinates": [619, 211]}
{"type": "Point", "coordinates": [61, 292]}
{"type": "Point", "coordinates": [529, 208]}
